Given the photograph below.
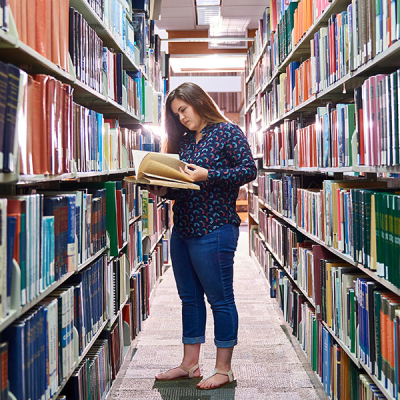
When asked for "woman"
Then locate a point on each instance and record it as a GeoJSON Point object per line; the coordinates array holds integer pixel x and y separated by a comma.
{"type": "Point", "coordinates": [206, 225]}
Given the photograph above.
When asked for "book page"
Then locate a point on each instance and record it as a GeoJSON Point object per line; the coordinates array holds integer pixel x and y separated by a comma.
{"type": "Point", "coordinates": [162, 170]}
{"type": "Point", "coordinates": [139, 155]}
{"type": "Point", "coordinates": [159, 164]}
{"type": "Point", "coordinates": [163, 182]}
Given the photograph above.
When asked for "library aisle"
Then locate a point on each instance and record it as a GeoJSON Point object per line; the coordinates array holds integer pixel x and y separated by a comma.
{"type": "Point", "coordinates": [266, 364]}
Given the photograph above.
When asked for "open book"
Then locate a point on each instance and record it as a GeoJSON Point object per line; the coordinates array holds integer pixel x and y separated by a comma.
{"type": "Point", "coordinates": [160, 169]}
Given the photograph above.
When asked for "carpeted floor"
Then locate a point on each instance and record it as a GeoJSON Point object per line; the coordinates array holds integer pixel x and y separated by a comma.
{"type": "Point", "coordinates": [266, 364]}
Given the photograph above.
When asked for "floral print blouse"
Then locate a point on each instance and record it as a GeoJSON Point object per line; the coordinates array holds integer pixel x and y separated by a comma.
{"type": "Point", "coordinates": [225, 152]}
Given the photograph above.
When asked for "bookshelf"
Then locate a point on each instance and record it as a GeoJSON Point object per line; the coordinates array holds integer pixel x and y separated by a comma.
{"type": "Point", "coordinates": [321, 115]}
{"type": "Point", "coordinates": [81, 249]}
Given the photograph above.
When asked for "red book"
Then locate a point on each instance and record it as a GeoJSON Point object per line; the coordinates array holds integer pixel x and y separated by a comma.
{"type": "Point", "coordinates": [41, 28]}
{"type": "Point", "coordinates": [273, 15]}
{"type": "Point", "coordinates": [55, 32]}
{"type": "Point", "coordinates": [31, 23]}
{"type": "Point", "coordinates": [42, 163]}
{"type": "Point", "coordinates": [23, 32]}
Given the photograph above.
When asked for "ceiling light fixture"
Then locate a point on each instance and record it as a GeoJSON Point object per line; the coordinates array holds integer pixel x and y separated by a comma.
{"type": "Point", "coordinates": [215, 40]}
{"type": "Point", "coordinates": [207, 14]}
{"type": "Point", "coordinates": [235, 29]}
{"type": "Point", "coordinates": [201, 3]}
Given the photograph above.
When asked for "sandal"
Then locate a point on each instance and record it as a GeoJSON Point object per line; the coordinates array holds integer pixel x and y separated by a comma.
{"type": "Point", "coordinates": [190, 371]}
{"type": "Point", "coordinates": [229, 374]}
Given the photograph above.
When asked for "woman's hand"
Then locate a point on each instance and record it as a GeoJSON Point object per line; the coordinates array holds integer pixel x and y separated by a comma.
{"type": "Point", "coordinates": [157, 190]}
{"type": "Point", "coordinates": [198, 174]}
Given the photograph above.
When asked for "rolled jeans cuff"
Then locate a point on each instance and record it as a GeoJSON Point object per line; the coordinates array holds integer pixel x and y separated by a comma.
{"type": "Point", "coordinates": [225, 343]}
{"type": "Point", "coordinates": [194, 340]}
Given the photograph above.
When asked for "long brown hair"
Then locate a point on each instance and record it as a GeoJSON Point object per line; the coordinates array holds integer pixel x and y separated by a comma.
{"type": "Point", "coordinates": [202, 104]}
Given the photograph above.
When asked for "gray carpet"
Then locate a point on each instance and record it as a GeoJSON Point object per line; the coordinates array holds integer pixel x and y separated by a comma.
{"type": "Point", "coordinates": [266, 364]}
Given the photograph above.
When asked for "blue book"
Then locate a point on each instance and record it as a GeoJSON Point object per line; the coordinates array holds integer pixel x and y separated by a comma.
{"type": "Point", "coordinates": [28, 355]}
{"type": "Point", "coordinates": [11, 231]}
{"type": "Point", "coordinates": [48, 251]}
{"type": "Point", "coordinates": [341, 135]}
{"type": "Point", "coordinates": [118, 66]}
{"type": "Point", "coordinates": [326, 140]}
{"type": "Point", "coordinates": [326, 357]}
{"type": "Point", "coordinates": [71, 202]}
{"type": "Point", "coordinates": [46, 375]}
{"type": "Point", "coordinates": [51, 207]}
{"type": "Point", "coordinates": [15, 336]}
{"type": "Point", "coordinates": [100, 147]}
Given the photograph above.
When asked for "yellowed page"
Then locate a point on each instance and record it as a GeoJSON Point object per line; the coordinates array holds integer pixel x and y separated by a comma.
{"type": "Point", "coordinates": [152, 167]}
{"type": "Point", "coordinates": [163, 182]}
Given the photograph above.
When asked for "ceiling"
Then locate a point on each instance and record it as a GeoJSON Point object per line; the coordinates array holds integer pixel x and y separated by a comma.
{"type": "Point", "coordinates": [180, 14]}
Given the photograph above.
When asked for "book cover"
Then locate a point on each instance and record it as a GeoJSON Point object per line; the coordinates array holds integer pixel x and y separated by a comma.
{"type": "Point", "coordinates": [17, 83]}
{"type": "Point", "coordinates": [3, 104]}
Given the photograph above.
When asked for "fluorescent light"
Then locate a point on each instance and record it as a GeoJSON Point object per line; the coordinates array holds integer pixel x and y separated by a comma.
{"type": "Point", "coordinates": [208, 3]}
{"type": "Point", "coordinates": [208, 14]}
{"type": "Point", "coordinates": [207, 63]}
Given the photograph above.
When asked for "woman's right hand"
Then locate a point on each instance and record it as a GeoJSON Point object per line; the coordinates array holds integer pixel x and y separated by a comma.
{"type": "Point", "coordinates": [160, 191]}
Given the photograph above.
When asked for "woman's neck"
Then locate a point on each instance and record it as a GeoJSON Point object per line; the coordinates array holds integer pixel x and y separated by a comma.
{"type": "Point", "coordinates": [198, 135]}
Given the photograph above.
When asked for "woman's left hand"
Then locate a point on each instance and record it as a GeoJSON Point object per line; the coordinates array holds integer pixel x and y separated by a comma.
{"type": "Point", "coordinates": [198, 174]}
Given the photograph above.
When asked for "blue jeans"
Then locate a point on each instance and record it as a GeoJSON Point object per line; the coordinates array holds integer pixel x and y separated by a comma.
{"type": "Point", "coordinates": [204, 265]}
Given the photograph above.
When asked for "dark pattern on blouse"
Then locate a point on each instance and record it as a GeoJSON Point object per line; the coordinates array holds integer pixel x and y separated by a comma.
{"type": "Point", "coordinates": [225, 152]}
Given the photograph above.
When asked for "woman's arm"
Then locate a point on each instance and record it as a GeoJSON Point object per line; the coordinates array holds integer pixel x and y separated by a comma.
{"type": "Point", "coordinates": [237, 150]}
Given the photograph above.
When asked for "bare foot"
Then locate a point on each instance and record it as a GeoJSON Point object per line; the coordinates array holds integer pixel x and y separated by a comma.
{"type": "Point", "coordinates": [179, 372]}
{"type": "Point", "coordinates": [214, 381]}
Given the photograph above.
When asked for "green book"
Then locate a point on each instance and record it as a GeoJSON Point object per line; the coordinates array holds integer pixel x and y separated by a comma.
{"type": "Point", "coordinates": [354, 382]}
{"type": "Point", "coordinates": [315, 344]}
{"type": "Point", "coordinates": [385, 235]}
{"type": "Point", "coordinates": [145, 212]}
{"type": "Point", "coordinates": [351, 109]}
{"type": "Point", "coordinates": [111, 210]}
{"type": "Point", "coordinates": [396, 221]}
{"type": "Point", "coordinates": [392, 273]}
{"type": "Point", "coordinates": [378, 221]}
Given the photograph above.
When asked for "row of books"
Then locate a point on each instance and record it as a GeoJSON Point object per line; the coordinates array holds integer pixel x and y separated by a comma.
{"type": "Point", "coordinates": [60, 136]}
{"type": "Point", "coordinates": [49, 37]}
{"type": "Point", "coordinates": [357, 218]}
{"type": "Point", "coordinates": [92, 378]}
{"type": "Point", "coordinates": [343, 135]}
{"type": "Point", "coordinates": [102, 69]}
{"type": "Point", "coordinates": [340, 378]}
{"type": "Point", "coordinates": [351, 38]}
{"type": "Point", "coordinates": [52, 233]}
{"type": "Point", "coordinates": [54, 17]}
{"type": "Point", "coordinates": [86, 50]}
{"type": "Point", "coordinates": [339, 375]}
{"type": "Point", "coordinates": [343, 297]}
{"type": "Point", "coordinates": [33, 345]}
{"type": "Point", "coordinates": [37, 365]}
